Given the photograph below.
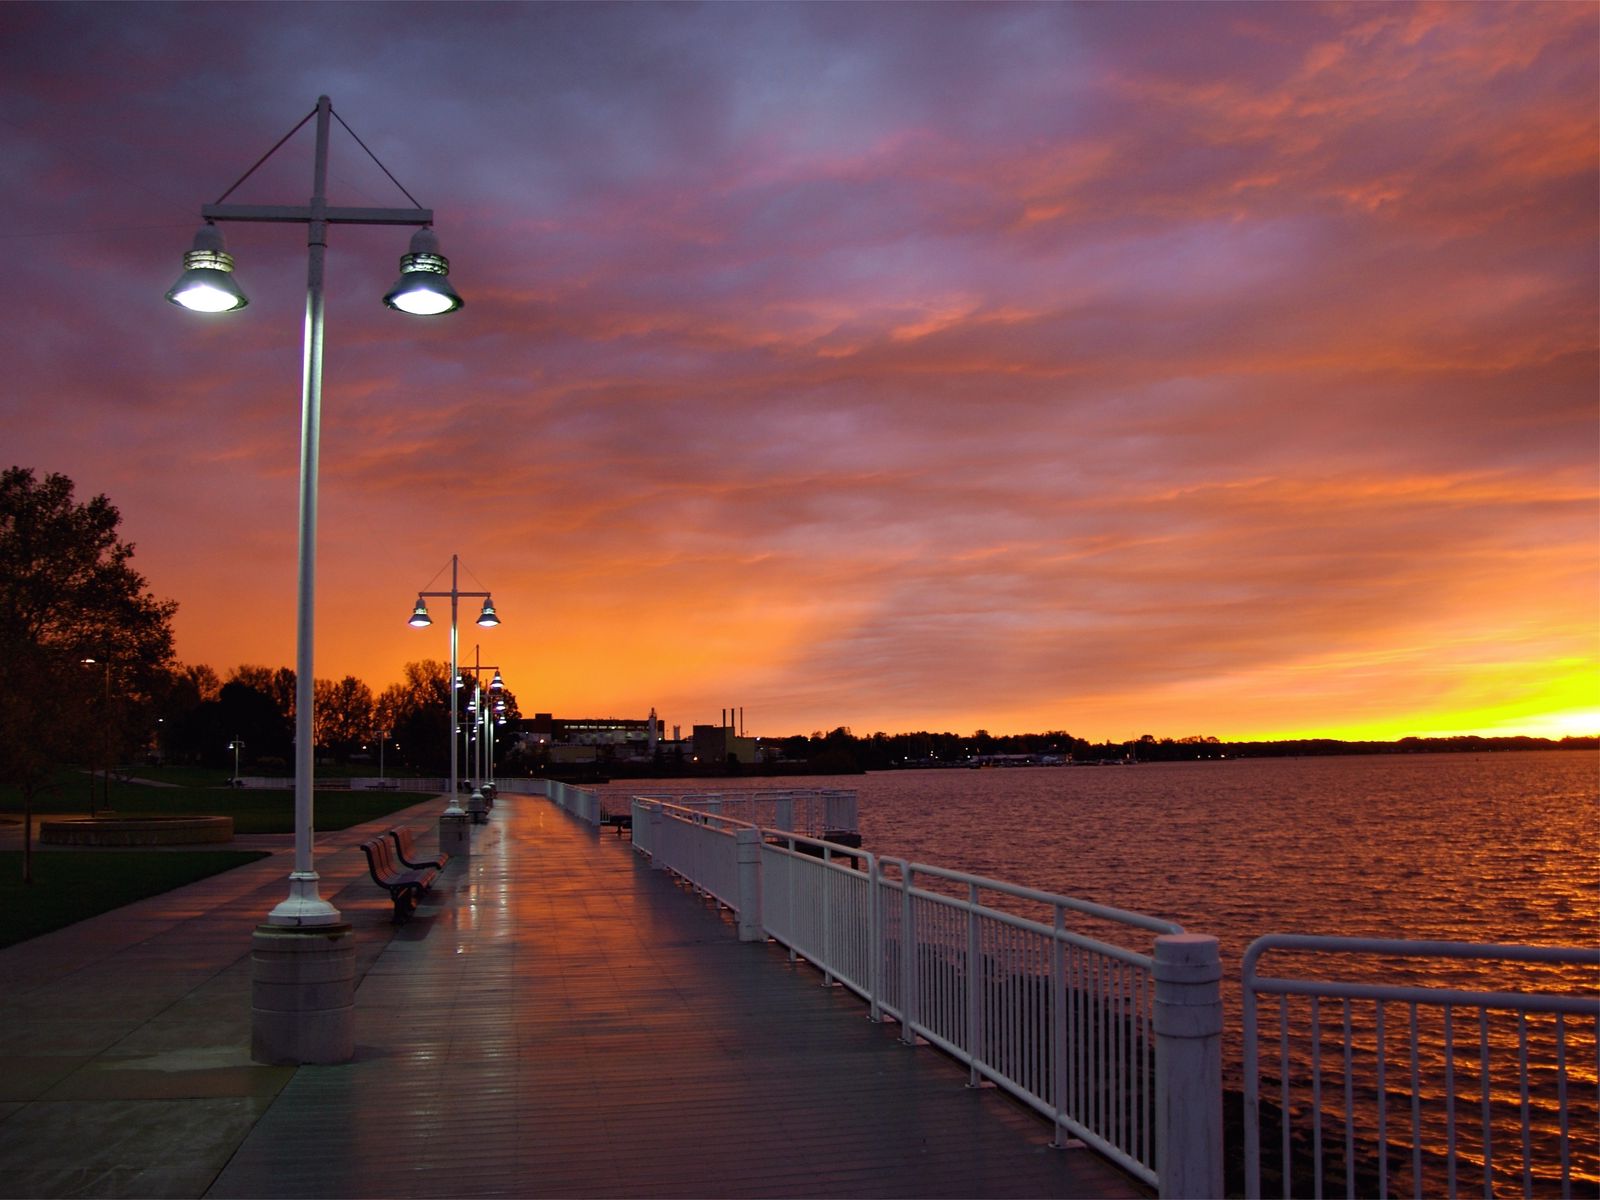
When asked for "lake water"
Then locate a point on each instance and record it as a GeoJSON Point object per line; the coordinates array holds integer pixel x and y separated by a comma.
{"type": "Point", "coordinates": [1484, 848]}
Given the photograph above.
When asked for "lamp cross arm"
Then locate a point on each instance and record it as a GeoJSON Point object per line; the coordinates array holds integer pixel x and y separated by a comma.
{"type": "Point", "coordinates": [304, 214]}
{"type": "Point", "coordinates": [447, 595]}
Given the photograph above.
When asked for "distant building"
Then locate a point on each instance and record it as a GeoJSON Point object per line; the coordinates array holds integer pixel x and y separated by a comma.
{"type": "Point", "coordinates": [719, 743]}
{"type": "Point", "coordinates": [592, 739]}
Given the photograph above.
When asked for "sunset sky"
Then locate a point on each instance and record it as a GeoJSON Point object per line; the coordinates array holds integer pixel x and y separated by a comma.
{"type": "Point", "coordinates": [1117, 368]}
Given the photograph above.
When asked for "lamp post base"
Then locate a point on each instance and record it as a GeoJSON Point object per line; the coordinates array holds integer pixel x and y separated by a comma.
{"type": "Point", "coordinates": [455, 834]}
{"type": "Point", "coordinates": [302, 994]}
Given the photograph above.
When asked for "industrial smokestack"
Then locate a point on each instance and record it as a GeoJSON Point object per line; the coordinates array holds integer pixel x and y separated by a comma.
{"type": "Point", "coordinates": [741, 720]}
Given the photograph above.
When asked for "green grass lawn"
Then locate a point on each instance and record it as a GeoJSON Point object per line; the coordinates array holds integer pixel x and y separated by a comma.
{"type": "Point", "coordinates": [252, 811]}
{"type": "Point", "coordinates": [267, 812]}
{"type": "Point", "coordinates": [70, 885]}
{"type": "Point", "coordinates": [219, 776]}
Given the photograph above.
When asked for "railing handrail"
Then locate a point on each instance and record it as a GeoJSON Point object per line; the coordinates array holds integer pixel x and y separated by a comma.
{"type": "Point", "coordinates": [695, 815]}
{"type": "Point", "coordinates": [1410, 948]}
{"type": "Point", "coordinates": [741, 793]}
{"type": "Point", "coordinates": [1422, 994]}
{"type": "Point", "coordinates": [838, 848]}
{"type": "Point", "coordinates": [1103, 911]}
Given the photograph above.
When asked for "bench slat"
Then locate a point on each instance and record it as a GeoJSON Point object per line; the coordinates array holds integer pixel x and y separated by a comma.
{"type": "Point", "coordinates": [405, 885]}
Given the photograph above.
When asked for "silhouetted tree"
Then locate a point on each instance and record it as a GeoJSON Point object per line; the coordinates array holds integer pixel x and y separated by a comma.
{"type": "Point", "coordinates": [344, 714]}
{"type": "Point", "coordinates": [67, 593]}
{"type": "Point", "coordinates": [277, 685]}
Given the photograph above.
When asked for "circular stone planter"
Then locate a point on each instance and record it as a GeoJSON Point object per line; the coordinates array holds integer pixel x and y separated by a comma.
{"type": "Point", "coordinates": [136, 831]}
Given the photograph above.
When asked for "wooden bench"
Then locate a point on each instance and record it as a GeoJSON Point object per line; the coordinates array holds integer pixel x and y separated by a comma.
{"type": "Point", "coordinates": [405, 884]}
{"type": "Point", "coordinates": [405, 849]}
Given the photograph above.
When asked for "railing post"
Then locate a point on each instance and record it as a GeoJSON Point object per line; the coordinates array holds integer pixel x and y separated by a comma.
{"type": "Point", "coordinates": [874, 941]}
{"type": "Point", "coordinates": [748, 843]}
{"type": "Point", "coordinates": [1058, 1028]}
{"type": "Point", "coordinates": [1188, 1029]}
{"type": "Point", "coordinates": [825, 935]}
{"type": "Point", "coordinates": [783, 814]}
{"type": "Point", "coordinates": [974, 988]}
{"type": "Point", "coordinates": [658, 820]}
{"type": "Point", "coordinates": [908, 961]}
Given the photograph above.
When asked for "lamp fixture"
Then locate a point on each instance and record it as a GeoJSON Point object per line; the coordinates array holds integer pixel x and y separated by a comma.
{"type": "Point", "coordinates": [419, 616]}
{"type": "Point", "coordinates": [497, 684]}
{"type": "Point", "coordinates": [207, 284]}
{"type": "Point", "coordinates": [488, 618]}
{"type": "Point", "coordinates": [423, 288]}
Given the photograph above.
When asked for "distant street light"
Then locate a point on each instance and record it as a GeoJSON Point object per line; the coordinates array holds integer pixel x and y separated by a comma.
{"type": "Point", "coordinates": [483, 720]}
{"type": "Point", "coordinates": [207, 285]}
{"type": "Point", "coordinates": [421, 620]}
{"type": "Point", "coordinates": [236, 745]}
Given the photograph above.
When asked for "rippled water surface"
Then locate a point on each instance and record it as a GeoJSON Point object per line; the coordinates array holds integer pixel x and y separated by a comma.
{"type": "Point", "coordinates": [1469, 847]}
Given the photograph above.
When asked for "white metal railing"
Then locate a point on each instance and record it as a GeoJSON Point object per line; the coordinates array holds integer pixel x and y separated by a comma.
{"type": "Point", "coordinates": [1423, 1088]}
{"type": "Point", "coordinates": [817, 901]}
{"type": "Point", "coordinates": [581, 803]}
{"type": "Point", "coordinates": [1065, 1022]}
{"type": "Point", "coordinates": [702, 849]}
{"type": "Point", "coordinates": [1118, 1048]}
{"type": "Point", "coordinates": [523, 787]}
{"type": "Point", "coordinates": [814, 812]}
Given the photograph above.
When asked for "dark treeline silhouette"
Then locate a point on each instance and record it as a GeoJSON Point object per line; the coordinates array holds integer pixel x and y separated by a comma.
{"type": "Point", "coordinates": [196, 717]}
{"type": "Point", "coordinates": [841, 752]}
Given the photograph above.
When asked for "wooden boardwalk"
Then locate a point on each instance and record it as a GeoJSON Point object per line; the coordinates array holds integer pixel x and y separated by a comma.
{"type": "Point", "coordinates": [559, 1021]}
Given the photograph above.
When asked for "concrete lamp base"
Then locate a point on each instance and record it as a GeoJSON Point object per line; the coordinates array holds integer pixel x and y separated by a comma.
{"type": "Point", "coordinates": [455, 834]}
{"type": "Point", "coordinates": [302, 1006]}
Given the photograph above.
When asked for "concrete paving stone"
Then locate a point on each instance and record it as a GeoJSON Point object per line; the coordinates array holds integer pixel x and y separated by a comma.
{"type": "Point", "coordinates": [138, 1134]}
{"type": "Point", "coordinates": [113, 1183]}
{"type": "Point", "coordinates": [27, 1077]}
{"type": "Point", "coordinates": [111, 1080]}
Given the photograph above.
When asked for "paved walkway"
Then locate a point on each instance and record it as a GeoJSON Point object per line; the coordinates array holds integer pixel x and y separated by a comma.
{"type": "Point", "coordinates": [559, 1021]}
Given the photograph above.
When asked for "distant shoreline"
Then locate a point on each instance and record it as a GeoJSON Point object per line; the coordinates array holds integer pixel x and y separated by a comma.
{"type": "Point", "coordinates": [857, 756]}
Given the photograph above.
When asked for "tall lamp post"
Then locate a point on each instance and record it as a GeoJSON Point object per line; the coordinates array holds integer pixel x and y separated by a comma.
{"type": "Point", "coordinates": [207, 285]}
{"type": "Point", "coordinates": [420, 619]}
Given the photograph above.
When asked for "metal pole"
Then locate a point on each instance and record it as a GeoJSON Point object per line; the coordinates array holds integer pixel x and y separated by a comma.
{"type": "Point", "coordinates": [304, 905]}
{"type": "Point", "coordinates": [105, 744]}
{"type": "Point", "coordinates": [453, 809]}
